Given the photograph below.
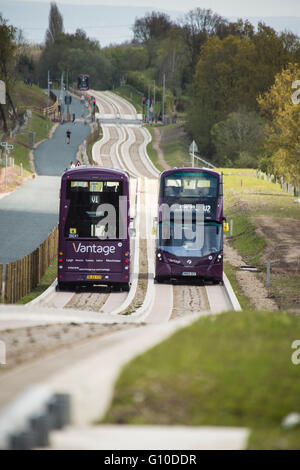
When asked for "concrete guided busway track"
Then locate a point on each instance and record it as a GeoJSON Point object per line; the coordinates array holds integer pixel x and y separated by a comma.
{"type": "Point", "coordinates": [69, 369]}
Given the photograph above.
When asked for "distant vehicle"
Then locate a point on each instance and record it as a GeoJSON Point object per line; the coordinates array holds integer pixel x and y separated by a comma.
{"type": "Point", "coordinates": [94, 245]}
{"type": "Point", "coordinates": [196, 195]}
{"type": "Point", "coordinates": [83, 82]}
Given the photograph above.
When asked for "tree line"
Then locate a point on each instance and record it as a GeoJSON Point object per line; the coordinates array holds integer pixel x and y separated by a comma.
{"type": "Point", "coordinates": [232, 81]}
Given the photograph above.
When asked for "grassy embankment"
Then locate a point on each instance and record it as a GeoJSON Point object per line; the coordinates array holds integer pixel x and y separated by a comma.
{"type": "Point", "coordinates": [228, 370]}
{"type": "Point", "coordinates": [249, 202]}
{"type": "Point", "coordinates": [131, 95]}
{"type": "Point", "coordinates": [33, 98]}
{"type": "Point", "coordinates": [174, 145]}
{"type": "Point", "coordinates": [234, 369]}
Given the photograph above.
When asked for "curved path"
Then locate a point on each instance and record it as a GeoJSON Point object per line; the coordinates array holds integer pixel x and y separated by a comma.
{"type": "Point", "coordinates": [73, 369]}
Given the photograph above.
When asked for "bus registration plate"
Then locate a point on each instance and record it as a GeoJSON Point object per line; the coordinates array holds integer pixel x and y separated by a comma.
{"type": "Point", "coordinates": [188, 274]}
{"type": "Point", "coordinates": [94, 276]}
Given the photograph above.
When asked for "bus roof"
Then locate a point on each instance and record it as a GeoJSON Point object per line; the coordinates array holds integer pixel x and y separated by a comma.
{"type": "Point", "coordinates": [92, 171]}
{"type": "Point", "coordinates": [190, 170]}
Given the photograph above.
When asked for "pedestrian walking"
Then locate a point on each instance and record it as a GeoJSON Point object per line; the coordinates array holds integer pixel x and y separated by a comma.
{"type": "Point", "coordinates": [73, 117]}
{"type": "Point", "coordinates": [68, 136]}
{"type": "Point", "coordinates": [72, 165]}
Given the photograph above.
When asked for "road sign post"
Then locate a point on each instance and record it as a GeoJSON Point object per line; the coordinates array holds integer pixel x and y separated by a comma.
{"type": "Point", "coordinates": [193, 150]}
{"type": "Point", "coordinates": [2, 92]}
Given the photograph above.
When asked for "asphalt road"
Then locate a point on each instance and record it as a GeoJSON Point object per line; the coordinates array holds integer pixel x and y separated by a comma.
{"type": "Point", "coordinates": [53, 156]}
{"type": "Point", "coordinates": [30, 213]}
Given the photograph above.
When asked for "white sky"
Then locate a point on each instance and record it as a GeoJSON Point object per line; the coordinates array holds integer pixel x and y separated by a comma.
{"type": "Point", "coordinates": [223, 7]}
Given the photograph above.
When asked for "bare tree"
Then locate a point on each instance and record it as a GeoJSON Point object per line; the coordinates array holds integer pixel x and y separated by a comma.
{"type": "Point", "coordinates": [197, 26]}
{"type": "Point", "coordinates": [56, 25]}
{"type": "Point", "coordinates": [154, 25]}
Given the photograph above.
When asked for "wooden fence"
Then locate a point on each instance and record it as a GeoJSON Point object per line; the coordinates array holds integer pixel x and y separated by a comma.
{"type": "Point", "coordinates": [285, 186]}
{"type": "Point", "coordinates": [91, 138]}
{"type": "Point", "coordinates": [25, 274]}
{"type": "Point", "coordinates": [1, 279]}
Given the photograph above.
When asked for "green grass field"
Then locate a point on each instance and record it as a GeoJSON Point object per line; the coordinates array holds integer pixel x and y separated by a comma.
{"type": "Point", "coordinates": [232, 369]}
{"type": "Point", "coordinates": [131, 95]}
{"type": "Point", "coordinates": [246, 198]}
{"type": "Point", "coordinates": [152, 152]}
{"type": "Point", "coordinates": [29, 97]}
{"type": "Point", "coordinates": [40, 125]}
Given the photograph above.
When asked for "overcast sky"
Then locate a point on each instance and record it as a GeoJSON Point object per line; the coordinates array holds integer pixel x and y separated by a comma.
{"type": "Point", "coordinates": [223, 7]}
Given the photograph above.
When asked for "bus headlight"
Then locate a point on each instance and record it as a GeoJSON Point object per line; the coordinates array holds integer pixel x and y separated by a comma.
{"type": "Point", "coordinates": [159, 256]}
{"type": "Point", "coordinates": [218, 259]}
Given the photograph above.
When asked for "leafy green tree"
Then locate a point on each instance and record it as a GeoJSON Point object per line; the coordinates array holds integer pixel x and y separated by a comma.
{"type": "Point", "coordinates": [223, 82]}
{"type": "Point", "coordinates": [281, 109]}
{"type": "Point", "coordinates": [239, 138]}
{"type": "Point", "coordinates": [77, 54]}
{"type": "Point", "coordinates": [171, 59]}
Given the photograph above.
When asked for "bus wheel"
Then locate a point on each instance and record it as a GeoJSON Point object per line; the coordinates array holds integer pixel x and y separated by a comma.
{"type": "Point", "coordinates": [125, 287]}
{"type": "Point", "coordinates": [158, 280]}
{"type": "Point", "coordinates": [61, 286]}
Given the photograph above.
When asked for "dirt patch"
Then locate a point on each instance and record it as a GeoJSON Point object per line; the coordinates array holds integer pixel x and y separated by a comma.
{"type": "Point", "coordinates": [283, 242]}
{"type": "Point", "coordinates": [91, 302]}
{"type": "Point", "coordinates": [189, 299]}
{"type": "Point", "coordinates": [14, 179]}
{"type": "Point", "coordinates": [250, 283]}
{"type": "Point", "coordinates": [156, 145]}
{"type": "Point", "coordinates": [26, 344]}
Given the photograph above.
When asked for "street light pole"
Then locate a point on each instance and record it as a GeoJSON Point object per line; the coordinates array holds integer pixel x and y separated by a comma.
{"type": "Point", "coordinates": [48, 94]}
{"type": "Point", "coordinates": [67, 93]}
{"type": "Point", "coordinates": [5, 166]}
{"type": "Point", "coordinates": [163, 101]}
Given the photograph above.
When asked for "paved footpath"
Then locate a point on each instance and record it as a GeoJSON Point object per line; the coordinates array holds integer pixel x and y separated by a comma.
{"type": "Point", "coordinates": [30, 213]}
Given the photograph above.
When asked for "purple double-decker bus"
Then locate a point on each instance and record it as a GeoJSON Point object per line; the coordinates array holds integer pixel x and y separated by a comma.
{"type": "Point", "coordinates": [83, 82]}
{"type": "Point", "coordinates": [94, 244]}
{"type": "Point", "coordinates": [190, 226]}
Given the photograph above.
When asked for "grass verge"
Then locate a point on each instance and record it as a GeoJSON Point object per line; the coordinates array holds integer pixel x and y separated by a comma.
{"type": "Point", "coordinates": [38, 124]}
{"type": "Point", "coordinates": [175, 145]}
{"type": "Point", "coordinates": [131, 95]}
{"type": "Point", "coordinates": [46, 281]}
{"type": "Point", "coordinates": [152, 152]}
{"type": "Point", "coordinates": [231, 369]}
{"type": "Point", "coordinates": [264, 222]}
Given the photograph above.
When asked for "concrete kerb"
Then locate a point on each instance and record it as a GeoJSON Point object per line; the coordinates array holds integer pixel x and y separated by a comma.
{"type": "Point", "coordinates": [230, 293]}
{"type": "Point", "coordinates": [50, 290]}
{"type": "Point", "coordinates": [26, 423]}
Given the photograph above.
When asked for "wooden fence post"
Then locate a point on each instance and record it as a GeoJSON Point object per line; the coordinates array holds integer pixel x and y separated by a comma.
{"type": "Point", "coordinates": [1, 279]}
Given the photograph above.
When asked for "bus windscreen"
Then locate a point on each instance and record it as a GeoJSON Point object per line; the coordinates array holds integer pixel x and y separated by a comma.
{"type": "Point", "coordinates": [85, 218]}
{"type": "Point", "coordinates": [190, 185]}
{"type": "Point", "coordinates": [179, 240]}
